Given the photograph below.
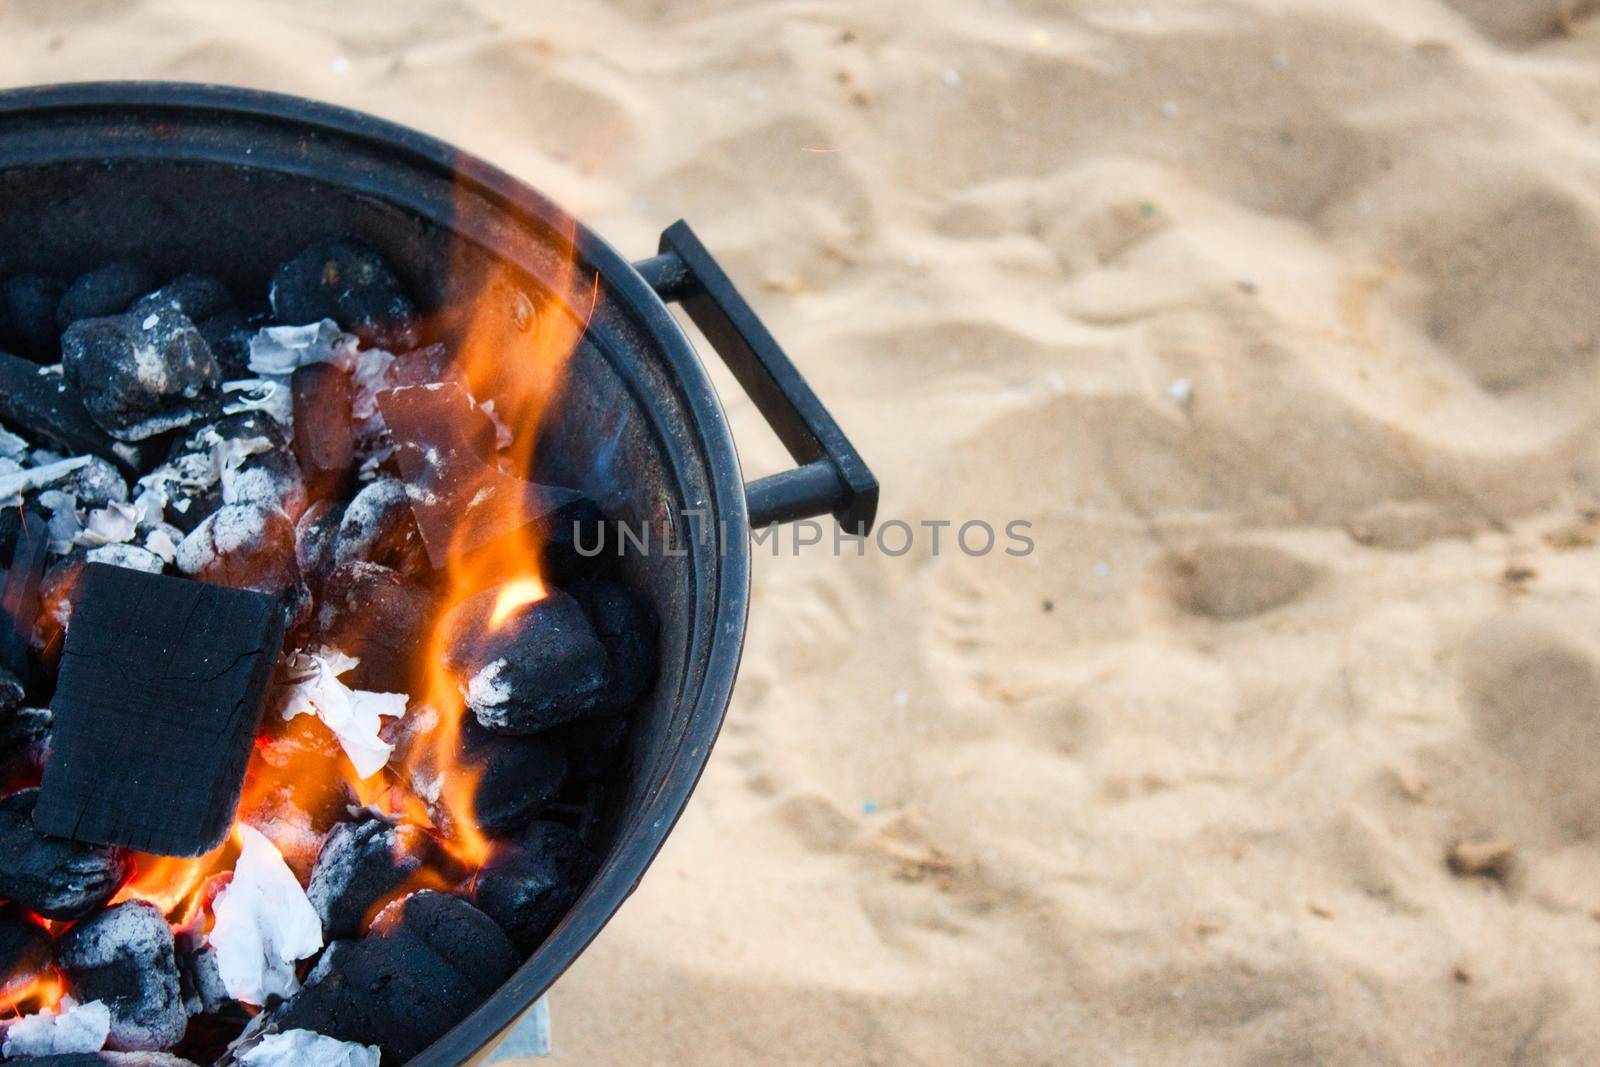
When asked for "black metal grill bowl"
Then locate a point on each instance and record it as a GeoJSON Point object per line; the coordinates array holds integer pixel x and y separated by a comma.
{"type": "Point", "coordinates": [232, 182]}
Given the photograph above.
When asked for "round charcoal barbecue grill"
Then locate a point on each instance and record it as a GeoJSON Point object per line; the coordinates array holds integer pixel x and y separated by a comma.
{"type": "Point", "coordinates": [231, 182]}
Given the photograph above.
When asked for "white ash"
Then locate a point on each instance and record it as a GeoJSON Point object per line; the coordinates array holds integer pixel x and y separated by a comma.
{"type": "Point", "coordinates": [278, 351]}
{"type": "Point", "coordinates": [116, 522]}
{"type": "Point", "coordinates": [28, 480]}
{"type": "Point", "coordinates": [12, 447]}
{"type": "Point", "coordinates": [267, 395]}
{"type": "Point", "coordinates": [264, 924]}
{"type": "Point", "coordinates": [355, 716]}
{"type": "Point", "coordinates": [213, 459]}
{"type": "Point", "coordinates": [70, 1028]}
{"type": "Point", "coordinates": [130, 556]}
{"type": "Point", "coordinates": [306, 1048]}
{"type": "Point", "coordinates": [487, 692]}
{"type": "Point", "coordinates": [366, 519]}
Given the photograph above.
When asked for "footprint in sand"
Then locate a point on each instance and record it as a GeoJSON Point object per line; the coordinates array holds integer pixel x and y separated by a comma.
{"type": "Point", "coordinates": [1235, 581]}
{"type": "Point", "coordinates": [1534, 695]}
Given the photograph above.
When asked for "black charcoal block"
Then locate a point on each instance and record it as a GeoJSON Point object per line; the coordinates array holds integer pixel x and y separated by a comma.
{"type": "Point", "coordinates": [362, 862]}
{"type": "Point", "coordinates": [141, 375]}
{"type": "Point", "coordinates": [228, 335]}
{"type": "Point", "coordinates": [324, 435]}
{"type": "Point", "coordinates": [626, 625]}
{"type": "Point", "coordinates": [51, 876]}
{"type": "Point", "coordinates": [19, 594]}
{"type": "Point", "coordinates": [378, 527]}
{"type": "Point", "coordinates": [539, 666]}
{"type": "Point", "coordinates": [125, 956]}
{"type": "Point", "coordinates": [519, 775]}
{"type": "Point", "coordinates": [25, 949]}
{"type": "Point", "coordinates": [24, 745]}
{"type": "Point", "coordinates": [107, 291]}
{"type": "Point", "coordinates": [28, 316]}
{"type": "Point", "coordinates": [528, 885]}
{"type": "Point", "coordinates": [348, 282]}
{"type": "Point", "coordinates": [430, 961]}
{"type": "Point", "coordinates": [462, 502]}
{"type": "Point", "coordinates": [380, 617]}
{"type": "Point", "coordinates": [195, 296]}
{"type": "Point", "coordinates": [36, 402]}
{"type": "Point", "coordinates": [161, 688]}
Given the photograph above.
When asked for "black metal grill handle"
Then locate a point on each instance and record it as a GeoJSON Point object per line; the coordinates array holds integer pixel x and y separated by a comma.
{"type": "Point", "coordinates": [831, 478]}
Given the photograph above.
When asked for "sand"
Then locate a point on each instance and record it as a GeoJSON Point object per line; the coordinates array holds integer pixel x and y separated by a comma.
{"type": "Point", "coordinates": [1277, 321]}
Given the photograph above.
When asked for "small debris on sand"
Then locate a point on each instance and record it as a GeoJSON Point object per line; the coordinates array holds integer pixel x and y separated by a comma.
{"type": "Point", "coordinates": [1481, 857]}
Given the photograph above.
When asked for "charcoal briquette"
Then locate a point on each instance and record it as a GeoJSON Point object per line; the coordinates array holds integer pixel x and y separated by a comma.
{"type": "Point", "coordinates": [140, 376]}
{"type": "Point", "coordinates": [195, 296]}
{"type": "Point", "coordinates": [430, 960]}
{"type": "Point", "coordinates": [24, 745]}
{"type": "Point", "coordinates": [518, 775]}
{"type": "Point", "coordinates": [592, 743]}
{"type": "Point", "coordinates": [626, 625]}
{"type": "Point", "coordinates": [107, 291]}
{"type": "Point", "coordinates": [228, 334]}
{"type": "Point", "coordinates": [28, 305]}
{"type": "Point", "coordinates": [51, 876]}
{"type": "Point", "coordinates": [378, 527]}
{"type": "Point", "coordinates": [11, 692]}
{"type": "Point", "coordinates": [528, 885]}
{"type": "Point", "coordinates": [362, 862]}
{"type": "Point", "coordinates": [242, 546]}
{"type": "Point", "coordinates": [125, 956]}
{"type": "Point", "coordinates": [536, 668]}
{"type": "Point", "coordinates": [314, 537]}
{"type": "Point", "coordinates": [25, 949]}
{"type": "Point", "coordinates": [377, 615]}
{"type": "Point", "coordinates": [324, 434]}
{"type": "Point", "coordinates": [350, 283]}
{"type": "Point", "coordinates": [37, 401]}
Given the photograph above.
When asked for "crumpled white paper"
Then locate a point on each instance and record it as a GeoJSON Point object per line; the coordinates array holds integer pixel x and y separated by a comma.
{"type": "Point", "coordinates": [264, 924]}
{"type": "Point", "coordinates": [306, 1048]}
{"type": "Point", "coordinates": [71, 1027]}
{"type": "Point", "coordinates": [354, 715]}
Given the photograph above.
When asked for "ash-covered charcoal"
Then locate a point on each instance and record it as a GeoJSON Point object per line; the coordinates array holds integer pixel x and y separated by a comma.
{"type": "Point", "coordinates": [36, 400]}
{"type": "Point", "coordinates": [247, 546]}
{"type": "Point", "coordinates": [360, 864]}
{"type": "Point", "coordinates": [51, 876]}
{"type": "Point", "coordinates": [348, 282]}
{"type": "Point", "coordinates": [324, 436]}
{"type": "Point", "coordinates": [378, 527]}
{"type": "Point", "coordinates": [229, 333]}
{"type": "Point", "coordinates": [200, 977]}
{"type": "Point", "coordinates": [528, 885]}
{"type": "Point", "coordinates": [24, 745]}
{"type": "Point", "coordinates": [537, 667]}
{"type": "Point", "coordinates": [239, 459]}
{"type": "Point", "coordinates": [430, 960]}
{"type": "Point", "coordinates": [25, 950]}
{"type": "Point", "coordinates": [140, 376]}
{"type": "Point", "coordinates": [197, 297]}
{"type": "Point", "coordinates": [626, 625]}
{"type": "Point", "coordinates": [28, 305]}
{"type": "Point", "coordinates": [107, 291]}
{"type": "Point", "coordinates": [314, 537]}
{"type": "Point", "coordinates": [125, 958]}
{"type": "Point", "coordinates": [518, 775]}
{"type": "Point", "coordinates": [379, 617]}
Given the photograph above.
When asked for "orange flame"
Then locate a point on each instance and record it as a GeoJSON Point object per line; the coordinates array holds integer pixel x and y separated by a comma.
{"type": "Point", "coordinates": [514, 350]}
{"type": "Point", "coordinates": [44, 990]}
